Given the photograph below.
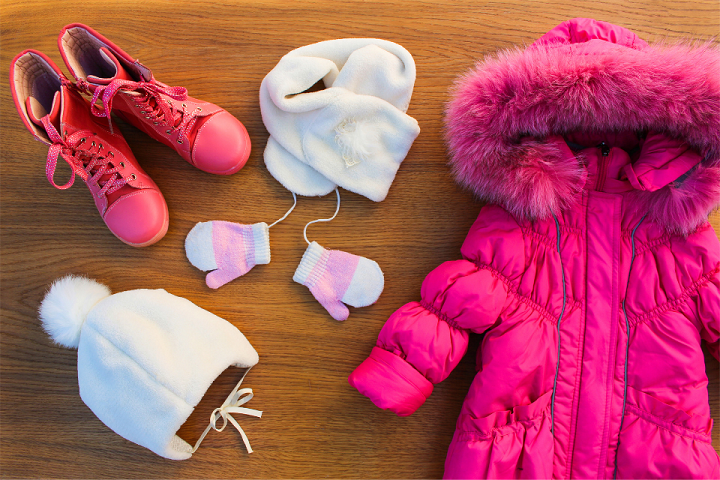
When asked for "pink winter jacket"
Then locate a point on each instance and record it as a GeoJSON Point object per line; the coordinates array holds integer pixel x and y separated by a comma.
{"type": "Point", "coordinates": [593, 272]}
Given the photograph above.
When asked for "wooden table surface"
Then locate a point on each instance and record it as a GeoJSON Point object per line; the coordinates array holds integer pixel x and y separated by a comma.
{"type": "Point", "coordinates": [314, 423]}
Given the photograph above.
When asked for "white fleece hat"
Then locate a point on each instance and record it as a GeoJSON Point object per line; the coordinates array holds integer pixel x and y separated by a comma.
{"type": "Point", "coordinates": [355, 132]}
{"type": "Point", "coordinates": [145, 359]}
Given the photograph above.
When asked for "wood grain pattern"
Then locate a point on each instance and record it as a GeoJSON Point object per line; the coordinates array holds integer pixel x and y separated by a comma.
{"type": "Point", "coordinates": [315, 425]}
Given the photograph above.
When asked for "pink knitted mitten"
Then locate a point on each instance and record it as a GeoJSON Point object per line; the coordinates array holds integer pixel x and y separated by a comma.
{"type": "Point", "coordinates": [230, 250]}
{"type": "Point", "coordinates": [336, 277]}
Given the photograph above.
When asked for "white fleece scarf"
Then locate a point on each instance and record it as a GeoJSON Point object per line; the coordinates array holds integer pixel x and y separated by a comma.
{"type": "Point", "coordinates": [354, 133]}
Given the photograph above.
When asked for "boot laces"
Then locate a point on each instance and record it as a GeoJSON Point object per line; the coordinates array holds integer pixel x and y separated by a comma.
{"type": "Point", "coordinates": [87, 161]}
{"type": "Point", "coordinates": [150, 100]}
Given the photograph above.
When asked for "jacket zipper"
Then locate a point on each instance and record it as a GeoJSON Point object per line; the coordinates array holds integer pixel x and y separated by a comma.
{"type": "Point", "coordinates": [562, 312]}
{"type": "Point", "coordinates": [627, 344]}
{"type": "Point", "coordinates": [602, 167]}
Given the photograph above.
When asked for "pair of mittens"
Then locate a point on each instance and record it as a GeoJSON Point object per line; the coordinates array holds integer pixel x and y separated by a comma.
{"type": "Point", "coordinates": [336, 278]}
{"type": "Point", "coordinates": [229, 250]}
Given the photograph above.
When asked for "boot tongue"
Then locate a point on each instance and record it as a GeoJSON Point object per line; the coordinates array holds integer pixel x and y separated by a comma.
{"type": "Point", "coordinates": [115, 66]}
{"type": "Point", "coordinates": [122, 74]}
{"type": "Point", "coordinates": [36, 111]}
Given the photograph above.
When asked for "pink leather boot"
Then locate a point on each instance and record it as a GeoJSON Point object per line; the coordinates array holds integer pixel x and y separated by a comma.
{"type": "Point", "coordinates": [57, 115]}
{"type": "Point", "coordinates": [202, 133]}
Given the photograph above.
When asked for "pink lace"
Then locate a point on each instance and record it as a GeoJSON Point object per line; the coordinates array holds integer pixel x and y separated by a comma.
{"type": "Point", "coordinates": [161, 111]}
{"type": "Point", "coordinates": [153, 90]}
{"type": "Point", "coordinates": [77, 158]}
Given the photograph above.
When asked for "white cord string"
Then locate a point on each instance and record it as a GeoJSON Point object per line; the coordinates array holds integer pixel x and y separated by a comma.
{"type": "Point", "coordinates": [231, 404]}
{"type": "Point", "coordinates": [288, 212]}
{"type": "Point", "coordinates": [337, 209]}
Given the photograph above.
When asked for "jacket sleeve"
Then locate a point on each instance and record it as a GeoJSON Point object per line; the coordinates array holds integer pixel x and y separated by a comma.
{"type": "Point", "coordinates": [423, 341]}
{"type": "Point", "coordinates": [708, 312]}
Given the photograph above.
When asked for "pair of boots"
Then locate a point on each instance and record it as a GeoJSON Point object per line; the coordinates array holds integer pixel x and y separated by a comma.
{"type": "Point", "coordinates": [84, 135]}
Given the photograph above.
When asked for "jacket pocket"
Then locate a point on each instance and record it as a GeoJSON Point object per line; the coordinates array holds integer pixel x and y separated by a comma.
{"type": "Point", "coordinates": [660, 441]}
{"type": "Point", "coordinates": [514, 443]}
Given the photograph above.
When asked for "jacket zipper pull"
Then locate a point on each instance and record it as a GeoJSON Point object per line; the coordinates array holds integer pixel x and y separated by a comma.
{"type": "Point", "coordinates": [604, 149]}
{"type": "Point", "coordinates": [602, 166]}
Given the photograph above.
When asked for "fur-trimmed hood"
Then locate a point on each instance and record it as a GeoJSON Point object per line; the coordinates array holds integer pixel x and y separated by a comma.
{"type": "Point", "coordinates": [510, 118]}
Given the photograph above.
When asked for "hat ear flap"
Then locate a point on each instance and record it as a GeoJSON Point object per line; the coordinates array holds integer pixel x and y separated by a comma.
{"type": "Point", "coordinates": [66, 306]}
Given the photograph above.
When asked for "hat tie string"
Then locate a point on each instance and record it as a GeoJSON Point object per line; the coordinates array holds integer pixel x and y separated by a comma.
{"type": "Point", "coordinates": [231, 405]}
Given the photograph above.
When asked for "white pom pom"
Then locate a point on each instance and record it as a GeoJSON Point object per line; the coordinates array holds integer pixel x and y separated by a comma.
{"type": "Point", "coordinates": [67, 304]}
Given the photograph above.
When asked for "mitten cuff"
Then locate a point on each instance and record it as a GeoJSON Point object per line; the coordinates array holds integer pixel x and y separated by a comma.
{"type": "Point", "coordinates": [261, 243]}
{"type": "Point", "coordinates": [310, 258]}
{"type": "Point", "coordinates": [391, 382]}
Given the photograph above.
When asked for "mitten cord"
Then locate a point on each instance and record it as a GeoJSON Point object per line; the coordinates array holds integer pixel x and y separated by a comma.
{"type": "Point", "coordinates": [337, 209]}
{"type": "Point", "coordinates": [286, 213]}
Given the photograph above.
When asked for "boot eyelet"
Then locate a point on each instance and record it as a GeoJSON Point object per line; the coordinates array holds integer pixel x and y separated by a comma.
{"type": "Point", "coordinates": [93, 143]}
{"type": "Point", "coordinates": [168, 132]}
{"type": "Point", "coordinates": [199, 109]}
{"type": "Point", "coordinates": [133, 176]}
{"type": "Point", "coordinates": [122, 164]}
{"type": "Point", "coordinates": [180, 141]}
{"type": "Point", "coordinates": [101, 146]}
{"type": "Point", "coordinates": [155, 123]}
{"type": "Point", "coordinates": [83, 140]}
{"type": "Point", "coordinates": [184, 105]}
{"type": "Point", "coordinates": [111, 154]}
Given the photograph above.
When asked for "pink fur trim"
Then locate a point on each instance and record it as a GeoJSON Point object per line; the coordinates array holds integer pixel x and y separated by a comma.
{"type": "Point", "coordinates": [681, 207]}
{"type": "Point", "coordinates": [503, 114]}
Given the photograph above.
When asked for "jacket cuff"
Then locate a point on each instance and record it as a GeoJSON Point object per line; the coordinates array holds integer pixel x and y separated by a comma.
{"type": "Point", "coordinates": [391, 382]}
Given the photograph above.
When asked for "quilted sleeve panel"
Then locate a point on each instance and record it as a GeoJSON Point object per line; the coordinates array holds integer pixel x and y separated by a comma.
{"type": "Point", "coordinates": [423, 341]}
{"type": "Point", "coordinates": [703, 263]}
{"type": "Point", "coordinates": [708, 311]}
